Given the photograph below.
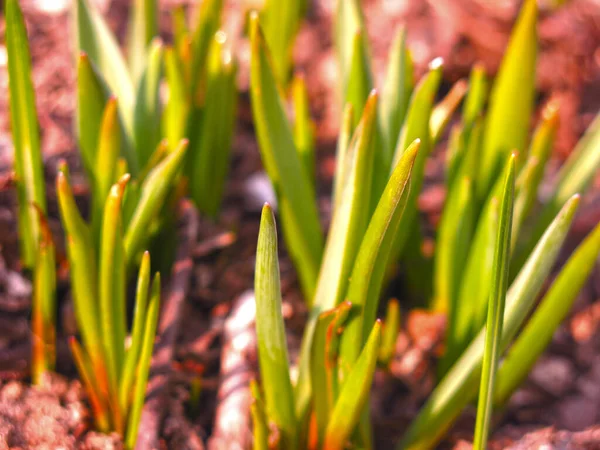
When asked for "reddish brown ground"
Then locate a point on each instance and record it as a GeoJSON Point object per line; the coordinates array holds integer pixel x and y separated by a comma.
{"type": "Point", "coordinates": [563, 391]}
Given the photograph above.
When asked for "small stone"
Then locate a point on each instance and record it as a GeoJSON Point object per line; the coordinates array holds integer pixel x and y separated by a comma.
{"type": "Point", "coordinates": [555, 375]}
{"type": "Point", "coordinates": [577, 413]}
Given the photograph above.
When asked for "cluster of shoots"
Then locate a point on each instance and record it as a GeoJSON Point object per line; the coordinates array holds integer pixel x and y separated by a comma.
{"type": "Point", "coordinates": [494, 247]}
{"type": "Point", "coordinates": [139, 156]}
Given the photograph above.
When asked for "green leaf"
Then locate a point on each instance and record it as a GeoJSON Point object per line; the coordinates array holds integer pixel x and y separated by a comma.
{"type": "Point", "coordinates": [476, 97]}
{"type": "Point", "coordinates": [112, 293]}
{"type": "Point", "coordinates": [443, 111]}
{"type": "Point", "coordinates": [350, 219]}
{"type": "Point", "coordinates": [511, 100]}
{"type": "Point", "coordinates": [348, 22]}
{"type": "Point", "coordinates": [303, 127]}
{"type": "Point", "coordinates": [137, 334]}
{"type": "Point", "coordinates": [493, 332]}
{"type": "Point", "coordinates": [459, 386]}
{"type": "Point", "coordinates": [354, 394]}
{"type": "Point", "coordinates": [323, 365]}
{"type": "Point", "coordinates": [153, 195]}
{"type": "Point", "coordinates": [575, 176]}
{"type": "Point", "coordinates": [270, 331]}
{"type": "Point", "coordinates": [92, 95]}
{"type": "Point", "coordinates": [147, 112]}
{"type": "Point", "coordinates": [417, 127]}
{"type": "Point", "coordinates": [109, 141]}
{"type": "Point", "coordinates": [43, 304]}
{"type": "Point", "coordinates": [260, 428]}
{"type": "Point", "coordinates": [206, 25]}
{"type": "Point", "coordinates": [93, 36]}
{"type": "Point", "coordinates": [210, 152]}
{"type": "Point", "coordinates": [532, 173]}
{"type": "Point", "coordinates": [296, 197]}
{"type": "Point", "coordinates": [178, 104]}
{"type": "Point", "coordinates": [550, 313]}
{"type": "Point", "coordinates": [281, 22]}
{"type": "Point", "coordinates": [358, 80]}
{"type": "Point", "coordinates": [83, 270]}
{"type": "Point", "coordinates": [452, 247]}
{"type": "Point", "coordinates": [399, 83]}
{"type": "Point", "coordinates": [391, 326]}
{"type": "Point", "coordinates": [24, 127]}
{"type": "Point", "coordinates": [143, 27]}
{"type": "Point", "coordinates": [143, 370]}
{"type": "Point", "coordinates": [343, 144]}
{"type": "Point", "coordinates": [373, 256]}
{"type": "Point", "coordinates": [92, 386]}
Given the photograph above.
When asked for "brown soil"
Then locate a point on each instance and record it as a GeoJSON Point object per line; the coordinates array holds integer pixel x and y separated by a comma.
{"type": "Point", "coordinates": [562, 392]}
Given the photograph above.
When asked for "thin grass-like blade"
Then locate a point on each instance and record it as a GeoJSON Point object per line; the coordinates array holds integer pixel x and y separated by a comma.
{"type": "Point", "coordinates": [24, 127]}
{"type": "Point", "coordinates": [511, 99]}
{"type": "Point", "coordinates": [532, 173]}
{"type": "Point", "coordinates": [550, 313]}
{"type": "Point", "coordinates": [92, 95]}
{"type": "Point", "coordinates": [493, 332]}
{"type": "Point", "coordinates": [211, 150]}
{"type": "Point", "coordinates": [270, 331]}
{"type": "Point", "coordinates": [296, 198]}
{"type": "Point", "coordinates": [576, 175]}
{"type": "Point", "coordinates": [391, 326]}
{"type": "Point", "coordinates": [350, 220]}
{"type": "Point", "coordinates": [459, 386]}
{"type": "Point", "coordinates": [143, 368]}
{"type": "Point", "coordinates": [442, 113]}
{"type": "Point", "coordinates": [303, 126]}
{"type": "Point", "coordinates": [109, 145]}
{"type": "Point", "coordinates": [95, 394]}
{"type": "Point", "coordinates": [476, 97]}
{"type": "Point", "coordinates": [373, 256]}
{"type": "Point", "coordinates": [399, 83]}
{"type": "Point", "coordinates": [112, 294]}
{"type": "Point", "coordinates": [94, 37]}
{"type": "Point", "coordinates": [260, 427]}
{"type": "Point", "coordinates": [359, 80]}
{"type": "Point", "coordinates": [349, 20]}
{"type": "Point", "coordinates": [207, 22]}
{"type": "Point", "coordinates": [43, 304]}
{"type": "Point", "coordinates": [281, 22]}
{"type": "Point", "coordinates": [137, 334]}
{"type": "Point", "coordinates": [178, 105]}
{"type": "Point", "coordinates": [83, 269]}
{"type": "Point", "coordinates": [147, 112]}
{"type": "Point", "coordinates": [354, 394]}
{"type": "Point", "coordinates": [343, 144]}
{"type": "Point", "coordinates": [452, 247]}
{"type": "Point", "coordinates": [416, 126]}
{"type": "Point", "coordinates": [153, 195]}
{"type": "Point", "coordinates": [143, 27]}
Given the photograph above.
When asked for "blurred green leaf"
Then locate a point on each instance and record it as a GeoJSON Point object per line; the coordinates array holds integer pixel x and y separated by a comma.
{"type": "Point", "coordinates": [25, 134]}
{"type": "Point", "coordinates": [348, 21]}
{"type": "Point", "coordinates": [147, 112]}
{"type": "Point", "coordinates": [270, 331]}
{"type": "Point", "coordinates": [443, 111]}
{"type": "Point", "coordinates": [550, 313]}
{"type": "Point", "coordinates": [476, 96]}
{"type": "Point", "coordinates": [354, 393]}
{"type": "Point", "coordinates": [358, 79]}
{"type": "Point", "coordinates": [93, 36]}
{"type": "Point", "coordinates": [143, 369]}
{"type": "Point", "coordinates": [295, 195]}
{"type": "Point", "coordinates": [303, 127]}
{"type": "Point", "coordinates": [211, 151]}
{"type": "Point", "coordinates": [43, 304]}
{"type": "Point", "coordinates": [493, 332]}
{"type": "Point", "coordinates": [391, 326]}
{"type": "Point", "coordinates": [343, 144]}
{"type": "Point", "coordinates": [153, 194]}
{"type": "Point", "coordinates": [178, 104]}
{"type": "Point", "coordinates": [459, 386]}
{"type": "Point", "coordinates": [452, 247]}
{"type": "Point", "coordinates": [260, 428]}
{"type": "Point", "coordinates": [511, 99]}
{"type": "Point", "coordinates": [373, 256]}
{"type": "Point", "coordinates": [143, 27]}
